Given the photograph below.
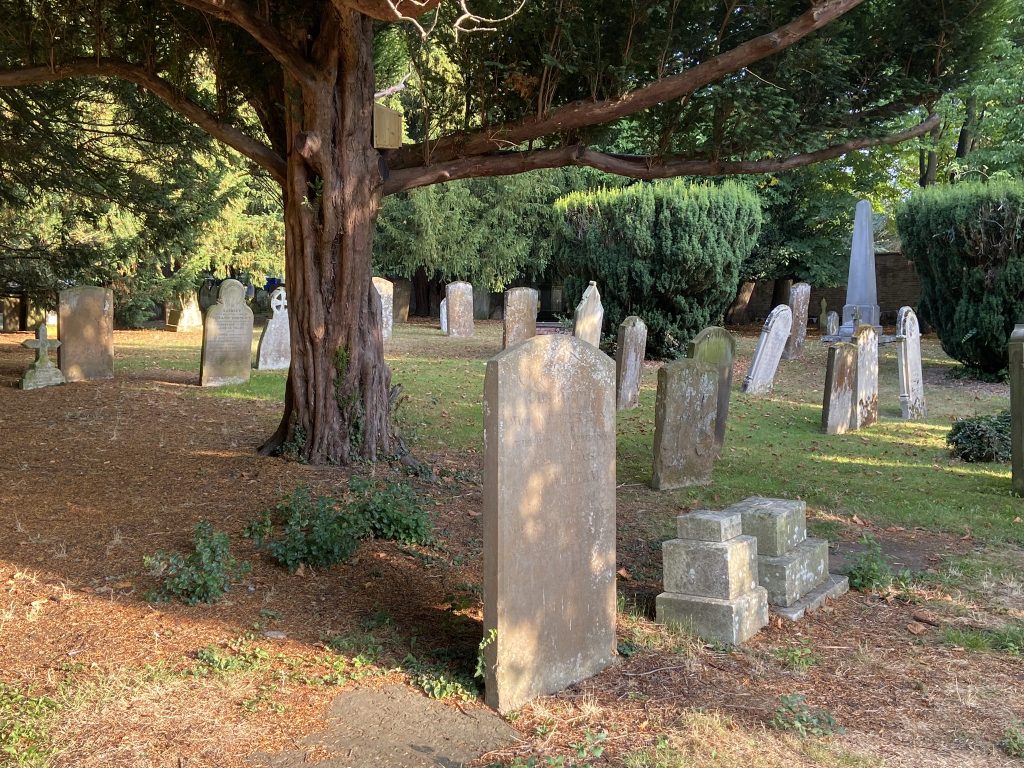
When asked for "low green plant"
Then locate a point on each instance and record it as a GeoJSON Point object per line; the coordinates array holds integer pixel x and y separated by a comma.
{"type": "Point", "coordinates": [1013, 741]}
{"type": "Point", "coordinates": [201, 576]}
{"type": "Point", "coordinates": [793, 714]}
{"type": "Point", "coordinates": [393, 512]}
{"type": "Point", "coordinates": [23, 726]}
{"type": "Point", "coordinates": [238, 656]}
{"type": "Point", "coordinates": [870, 570]}
{"type": "Point", "coordinates": [1009, 639]}
{"type": "Point", "coordinates": [981, 438]}
{"type": "Point", "coordinates": [799, 658]}
{"type": "Point", "coordinates": [592, 746]}
{"type": "Point", "coordinates": [438, 681]}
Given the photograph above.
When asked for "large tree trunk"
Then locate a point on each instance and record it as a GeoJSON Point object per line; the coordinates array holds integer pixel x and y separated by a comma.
{"type": "Point", "coordinates": [337, 398]}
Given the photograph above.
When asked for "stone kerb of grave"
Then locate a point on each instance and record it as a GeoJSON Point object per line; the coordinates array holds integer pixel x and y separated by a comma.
{"type": "Point", "coordinates": [716, 346]}
{"type": "Point", "coordinates": [85, 326]}
{"type": "Point", "coordinates": [908, 336]}
{"type": "Point", "coordinates": [710, 579]}
{"type": "Point", "coordinates": [519, 317]}
{"type": "Point", "coordinates": [790, 566]}
{"type": "Point", "coordinates": [684, 424]}
{"type": "Point", "coordinates": [459, 296]}
{"type": "Point", "coordinates": [589, 316]}
{"type": "Point", "coordinates": [42, 372]}
{"type": "Point", "coordinates": [274, 351]}
{"type": "Point", "coordinates": [227, 338]}
{"type": "Point", "coordinates": [386, 292]}
{"type": "Point", "coordinates": [765, 363]}
{"type": "Point", "coordinates": [629, 362]}
{"type": "Point", "coordinates": [549, 518]}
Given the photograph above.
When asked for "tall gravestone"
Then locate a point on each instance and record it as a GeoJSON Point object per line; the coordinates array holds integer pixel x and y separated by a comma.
{"type": "Point", "coordinates": [459, 296]}
{"type": "Point", "coordinates": [861, 290]}
{"type": "Point", "coordinates": [716, 346]}
{"type": "Point", "coordinates": [837, 407]}
{"type": "Point", "coordinates": [275, 349]}
{"type": "Point", "coordinates": [549, 518]}
{"type": "Point", "coordinates": [42, 372]}
{"type": "Point", "coordinates": [227, 338]}
{"type": "Point", "coordinates": [684, 424]}
{"type": "Point", "coordinates": [630, 350]}
{"type": "Point", "coordinates": [402, 298]}
{"type": "Point", "coordinates": [867, 375]}
{"type": "Point", "coordinates": [519, 319]}
{"type": "Point", "coordinates": [908, 334]}
{"type": "Point", "coordinates": [799, 304]}
{"type": "Point", "coordinates": [832, 323]}
{"type": "Point", "coordinates": [589, 316]}
{"type": "Point", "coordinates": [386, 291]}
{"type": "Point", "coordinates": [444, 316]}
{"type": "Point", "coordinates": [182, 313]}
{"type": "Point", "coordinates": [85, 326]}
{"type": "Point", "coordinates": [761, 376]}
{"type": "Point", "coordinates": [1015, 349]}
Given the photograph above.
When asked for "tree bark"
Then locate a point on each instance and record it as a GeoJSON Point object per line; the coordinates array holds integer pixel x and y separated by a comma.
{"type": "Point", "coordinates": [337, 399]}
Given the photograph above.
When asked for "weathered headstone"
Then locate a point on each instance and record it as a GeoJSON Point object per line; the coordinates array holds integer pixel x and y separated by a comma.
{"type": "Point", "coordinates": [765, 362]}
{"type": "Point", "coordinates": [10, 308]}
{"type": "Point", "coordinates": [444, 316]}
{"type": "Point", "coordinates": [908, 334]}
{"type": "Point", "coordinates": [629, 362]}
{"type": "Point", "coordinates": [832, 324]}
{"type": "Point", "coordinates": [799, 303]}
{"type": "Point", "coordinates": [386, 291]}
{"type": "Point", "coordinates": [402, 298]}
{"type": "Point", "coordinates": [460, 309]}
{"type": "Point", "coordinates": [275, 350]}
{"type": "Point", "coordinates": [85, 325]}
{"type": "Point", "coordinates": [589, 316]}
{"type": "Point", "coordinates": [861, 291]}
{"type": "Point", "coordinates": [481, 304]}
{"type": "Point", "coordinates": [42, 372]}
{"type": "Point", "coordinates": [520, 316]}
{"type": "Point", "coordinates": [716, 346]}
{"type": "Point", "coordinates": [549, 518]}
{"type": "Point", "coordinates": [208, 292]}
{"type": "Point", "coordinates": [822, 314]}
{"type": "Point", "coordinates": [867, 375]}
{"type": "Point", "coordinates": [227, 338]}
{"type": "Point", "coordinates": [1015, 349]}
{"type": "Point", "coordinates": [182, 313]}
{"type": "Point", "coordinates": [684, 424]}
{"type": "Point", "coordinates": [837, 408]}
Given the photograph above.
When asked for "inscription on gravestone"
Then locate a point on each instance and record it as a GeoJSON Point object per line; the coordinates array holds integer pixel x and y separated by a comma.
{"type": "Point", "coordinates": [227, 338]}
{"type": "Point", "coordinates": [684, 424]}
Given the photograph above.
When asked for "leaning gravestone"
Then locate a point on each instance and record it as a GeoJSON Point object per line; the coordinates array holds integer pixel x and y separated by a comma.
{"type": "Point", "coordinates": [908, 334]}
{"type": "Point", "coordinates": [227, 338]}
{"type": "Point", "coordinates": [549, 518]}
{"type": "Point", "coordinates": [684, 424]}
{"type": "Point", "coordinates": [630, 351]}
{"type": "Point", "coordinates": [519, 319]}
{"type": "Point", "coordinates": [459, 296]}
{"type": "Point", "coordinates": [589, 316]}
{"type": "Point", "coordinates": [716, 346]}
{"type": "Point", "coordinates": [832, 324]}
{"type": "Point", "coordinates": [799, 303]}
{"type": "Point", "coordinates": [85, 326]}
{"type": "Point", "coordinates": [444, 316]}
{"type": "Point", "coordinates": [765, 362]}
{"type": "Point", "coordinates": [275, 350]}
{"type": "Point", "coordinates": [402, 298]}
{"type": "Point", "coordinates": [42, 372]}
{"type": "Point", "coordinates": [867, 375]}
{"type": "Point", "coordinates": [386, 291]}
{"type": "Point", "coordinates": [837, 407]}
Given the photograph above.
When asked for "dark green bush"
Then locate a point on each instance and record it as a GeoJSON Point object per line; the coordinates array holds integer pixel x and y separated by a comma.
{"type": "Point", "coordinates": [668, 252]}
{"type": "Point", "coordinates": [967, 242]}
{"type": "Point", "coordinates": [981, 438]}
{"type": "Point", "coordinates": [203, 575]}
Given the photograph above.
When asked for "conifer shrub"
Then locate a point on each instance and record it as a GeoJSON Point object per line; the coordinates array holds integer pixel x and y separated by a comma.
{"type": "Point", "coordinates": [669, 252]}
{"type": "Point", "coordinates": [967, 242]}
{"type": "Point", "coordinates": [982, 438]}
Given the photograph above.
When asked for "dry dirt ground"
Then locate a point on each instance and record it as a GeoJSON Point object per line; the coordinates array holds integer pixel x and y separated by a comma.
{"type": "Point", "coordinates": [94, 476]}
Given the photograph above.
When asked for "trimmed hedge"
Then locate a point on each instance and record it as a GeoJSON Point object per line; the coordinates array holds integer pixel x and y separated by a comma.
{"type": "Point", "coordinates": [967, 242]}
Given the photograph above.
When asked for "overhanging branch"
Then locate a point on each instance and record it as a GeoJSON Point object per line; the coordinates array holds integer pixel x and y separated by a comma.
{"type": "Point", "coordinates": [255, 150]}
{"type": "Point", "coordinates": [510, 163]}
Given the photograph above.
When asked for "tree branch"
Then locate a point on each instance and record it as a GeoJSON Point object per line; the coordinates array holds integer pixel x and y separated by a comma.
{"type": "Point", "coordinates": [255, 150]}
{"type": "Point", "coordinates": [510, 163]}
{"type": "Point", "coordinates": [581, 114]}
{"type": "Point", "coordinates": [262, 31]}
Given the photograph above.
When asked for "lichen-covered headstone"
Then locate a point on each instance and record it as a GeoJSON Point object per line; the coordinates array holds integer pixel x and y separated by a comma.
{"type": "Point", "coordinates": [275, 350]}
{"type": "Point", "coordinates": [182, 313]}
{"type": "Point", "coordinates": [837, 407]}
{"type": "Point", "coordinates": [684, 424]}
{"type": "Point", "coordinates": [519, 317]}
{"type": "Point", "coordinates": [589, 316]}
{"type": "Point", "coordinates": [799, 304]}
{"type": "Point", "coordinates": [908, 333]}
{"type": "Point", "coordinates": [402, 299]}
{"type": "Point", "coordinates": [861, 291]}
{"type": "Point", "coordinates": [459, 296]}
{"type": "Point", "coordinates": [716, 346]}
{"type": "Point", "coordinates": [867, 375]}
{"type": "Point", "coordinates": [85, 326]}
{"type": "Point", "coordinates": [386, 291]}
{"type": "Point", "coordinates": [761, 376]}
{"type": "Point", "coordinates": [227, 338]}
{"type": "Point", "coordinates": [832, 324]}
{"type": "Point", "coordinates": [549, 518]}
{"type": "Point", "coordinates": [42, 372]}
{"type": "Point", "coordinates": [444, 316]}
{"type": "Point", "coordinates": [630, 350]}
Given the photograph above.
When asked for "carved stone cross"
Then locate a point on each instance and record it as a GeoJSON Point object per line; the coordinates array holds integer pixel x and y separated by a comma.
{"type": "Point", "coordinates": [42, 346]}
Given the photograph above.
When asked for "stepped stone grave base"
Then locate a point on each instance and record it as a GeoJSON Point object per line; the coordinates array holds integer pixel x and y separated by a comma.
{"type": "Point", "coordinates": [789, 577]}
{"type": "Point", "coordinates": [728, 621]}
{"type": "Point", "coordinates": [834, 586]}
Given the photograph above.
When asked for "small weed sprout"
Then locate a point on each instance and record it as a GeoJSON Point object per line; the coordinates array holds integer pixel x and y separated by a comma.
{"type": "Point", "coordinates": [1013, 741]}
{"type": "Point", "coordinates": [870, 571]}
{"type": "Point", "coordinates": [793, 714]}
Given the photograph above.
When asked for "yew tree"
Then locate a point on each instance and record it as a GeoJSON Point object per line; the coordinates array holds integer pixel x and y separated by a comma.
{"type": "Point", "coordinates": [493, 88]}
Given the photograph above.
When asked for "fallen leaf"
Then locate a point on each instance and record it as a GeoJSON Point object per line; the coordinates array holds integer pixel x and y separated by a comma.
{"type": "Point", "coordinates": [624, 573]}
{"type": "Point", "coordinates": [301, 569]}
{"type": "Point", "coordinates": [1017, 519]}
{"type": "Point", "coordinates": [858, 521]}
{"type": "Point", "coordinates": [916, 628]}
